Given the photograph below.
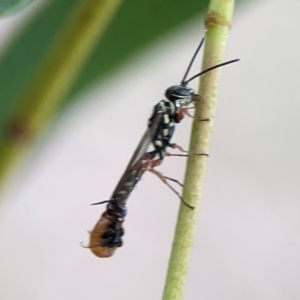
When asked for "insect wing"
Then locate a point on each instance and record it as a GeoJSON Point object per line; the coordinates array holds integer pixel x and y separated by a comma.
{"type": "Point", "coordinates": [136, 159]}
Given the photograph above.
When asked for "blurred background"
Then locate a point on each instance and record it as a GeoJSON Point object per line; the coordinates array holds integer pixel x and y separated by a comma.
{"type": "Point", "coordinates": [247, 242]}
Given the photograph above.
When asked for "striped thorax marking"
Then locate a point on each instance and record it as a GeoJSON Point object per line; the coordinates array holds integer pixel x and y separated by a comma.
{"type": "Point", "coordinates": [162, 105]}
{"type": "Point", "coordinates": [165, 132]}
{"type": "Point", "coordinates": [166, 119]}
{"type": "Point", "coordinates": [158, 143]}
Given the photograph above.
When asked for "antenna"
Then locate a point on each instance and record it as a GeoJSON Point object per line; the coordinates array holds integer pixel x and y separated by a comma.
{"type": "Point", "coordinates": [209, 69]}
{"type": "Point", "coordinates": [191, 62]}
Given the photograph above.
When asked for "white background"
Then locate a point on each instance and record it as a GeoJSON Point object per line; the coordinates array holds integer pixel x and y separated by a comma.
{"type": "Point", "coordinates": [247, 243]}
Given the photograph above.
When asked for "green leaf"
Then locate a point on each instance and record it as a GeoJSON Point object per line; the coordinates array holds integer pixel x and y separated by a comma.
{"type": "Point", "coordinates": [136, 25]}
{"type": "Point", "coordinates": [8, 7]}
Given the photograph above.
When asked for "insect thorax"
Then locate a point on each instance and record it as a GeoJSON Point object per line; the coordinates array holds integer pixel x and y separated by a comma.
{"type": "Point", "coordinates": [166, 108]}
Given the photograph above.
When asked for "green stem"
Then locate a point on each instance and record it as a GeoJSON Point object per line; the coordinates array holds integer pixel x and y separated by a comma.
{"type": "Point", "coordinates": [83, 29]}
{"type": "Point", "coordinates": [217, 22]}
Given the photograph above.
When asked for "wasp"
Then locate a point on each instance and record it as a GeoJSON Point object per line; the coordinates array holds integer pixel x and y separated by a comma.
{"type": "Point", "coordinates": [107, 234]}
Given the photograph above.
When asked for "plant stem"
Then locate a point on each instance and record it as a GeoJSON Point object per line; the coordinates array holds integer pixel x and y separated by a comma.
{"type": "Point", "coordinates": [217, 22]}
{"type": "Point", "coordinates": [66, 57]}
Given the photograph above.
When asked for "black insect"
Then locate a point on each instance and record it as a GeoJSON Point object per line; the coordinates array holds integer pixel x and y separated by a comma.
{"type": "Point", "coordinates": [173, 109]}
{"type": "Point", "coordinates": [107, 233]}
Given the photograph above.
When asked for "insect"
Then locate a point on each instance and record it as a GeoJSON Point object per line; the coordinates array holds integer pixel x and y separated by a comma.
{"type": "Point", "coordinates": [173, 109]}
{"type": "Point", "coordinates": [107, 234]}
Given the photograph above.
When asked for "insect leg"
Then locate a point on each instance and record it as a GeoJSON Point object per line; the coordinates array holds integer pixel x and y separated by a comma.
{"type": "Point", "coordinates": [164, 180]}
{"type": "Point", "coordinates": [175, 146]}
{"type": "Point", "coordinates": [174, 180]}
{"type": "Point", "coordinates": [185, 155]}
{"type": "Point", "coordinates": [185, 111]}
{"type": "Point", "coordinates": [102, 202]}
{"type": "Point", "coordinates": [82, 245]}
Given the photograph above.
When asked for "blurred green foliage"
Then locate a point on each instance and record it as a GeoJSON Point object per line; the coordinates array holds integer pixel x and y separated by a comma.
{"type": "Point", "coordinates": [136, 25]}
{"type": "Point", "coordinates": [8, 7]}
